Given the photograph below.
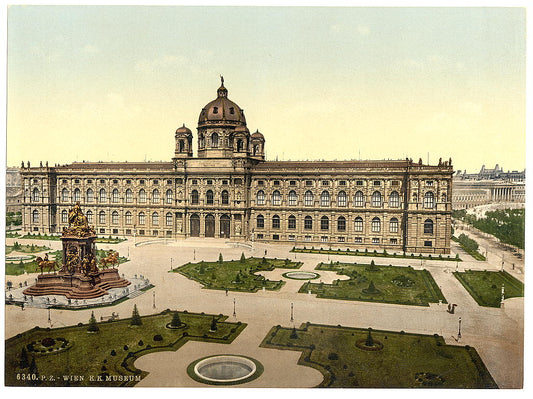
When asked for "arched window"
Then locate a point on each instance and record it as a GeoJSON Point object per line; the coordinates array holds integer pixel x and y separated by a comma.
{"type": "Point", "coordinates": [291, 222]}
{"type": "Point", "coordinates": [225, 197]}
{"type": "Point", "coordinates": [359, 199]}
{"type": "Point", "coordinates": [240, 145]}
{"type": "Point", "coordinates": [64, 216]}
{"type": "Point", "coordinates": [256, 149]}
{"type": "Point", "coordinates": [429, 200]}
{"type": "Point", "coordinates": [394, 199]}
{"type": "Point", "coordinates": [358, 225]}
{"type": "Point", "coordinates": [209, 197]}
{"type": "Point", "coordinates": [142, 218]}
{"type": "Point", "coordinates": [308, 223]}
{"type": "Point", "coordinates": [293, 198]}
{"type": "Point", "coordinates": [77, 195]}
{"type": "Point", "coordinates": [428, 226]}
{"type": "Point", "coordinates": [276, 198]}
{"type": "Point", "coordinates": [101, 217]}
{"type": "Point", "coordinates": [114, 196]}
{"type": "Point", "coordinates": [324, 223]}
{"type": "Point", "coordinates": [214, 140]}
{"type": "Point", "coordinates": [194, 197]}
{"type": "Point", "coordinates": [168, 219]}
{"type": "Point", "coordinates": [35, 216]}
{"type": "Point", "coordinates": [324, 198]}
{"type": "Point", "coordinates": [155, 219]}
{"type": "Point", "coordinates": [155, 197]}
{"type": "Point", "coordinates": [260, 197]}
{"type": "Point", "coordinates": [182, 145]}
{"type": "Point", "coordinates": [142, 196]}
{"type": "Point", "coordinates": [35, 195]}
{"type": "Point", "coordinates": [128, 217]}
{"type": "Point", "coordinates": [90, 195]}
{"type": "Point", "coordinates": [376, 225]}
{"type": "Point", "coordinates": [114, 217]}
{"type": "Point", "coordinates": [341, 223]}
{"type": "Point", "coordinates": [393, 225]}
{"type": "Point", "coordinates": [64, 195]}
{"type": "Point", "coordinates": [129, 195]}
{"type": "Point", "coordinates": [260, 221]}
{"type": "Point", "coordinates": [275, 222]}
{"type": "Point", "coordinates": [376, 199]}
{"type": "Point", "coordinates": [308, 198]}
{"type": "Point", "coordinates": [89, 215]}
{"type": "Point", "coordinates": [341, 198]}
{"type": "Point", "coordinates": [169, 196]}
{"type": "Point", "coordinates": [102, 196]}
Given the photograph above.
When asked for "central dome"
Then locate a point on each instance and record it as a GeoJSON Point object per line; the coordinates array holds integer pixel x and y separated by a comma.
{"type": "Point", "coordinates": [222, 110]}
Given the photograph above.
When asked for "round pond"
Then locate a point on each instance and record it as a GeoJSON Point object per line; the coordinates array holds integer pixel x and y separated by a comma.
{"type": "Point", "coordinates": [300, 275]}
{"type": "Point", "coordinates": [225, 369]}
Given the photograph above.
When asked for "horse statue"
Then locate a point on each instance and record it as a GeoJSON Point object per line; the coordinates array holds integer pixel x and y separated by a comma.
{"type": "Point", "coordinates": [45, 264]}
{"type": "Point", "coordinates": [111, 259]}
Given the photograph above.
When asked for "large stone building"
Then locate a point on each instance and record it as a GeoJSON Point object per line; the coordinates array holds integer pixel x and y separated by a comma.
{"type": "Point", "coordinates": [229, 190]}
{"type": "Point", "coordinates": [13, 190]}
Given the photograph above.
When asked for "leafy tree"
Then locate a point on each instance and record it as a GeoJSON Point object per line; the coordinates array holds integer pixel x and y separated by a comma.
{"type": "Point", "coordinates": [243, 258]}
{"type": "Point", "coordinates": [176, 322]}
{"type": "Point", "coordinates": [93, 327]}
{"type": "Point", "coordinates": [135, 317]}
{"type": "Point", "coordinates": [293, 335]}
{"type": "Point", "coordinates": [220, 259]}
{"type": "Point", "coordinates": [369, 340]}
{"type": "Point", "coordinates": [213, 324]}
{"type": "Point", "coordinates": [24, 359]}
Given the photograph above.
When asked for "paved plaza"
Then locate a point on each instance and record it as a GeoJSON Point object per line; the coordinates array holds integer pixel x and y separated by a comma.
{"type": "Point", "coordinates": [496, 333]}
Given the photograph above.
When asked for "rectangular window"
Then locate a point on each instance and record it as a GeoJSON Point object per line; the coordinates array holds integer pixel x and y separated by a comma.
{"type": "Point", "coordinates": [276, 182]}
{"type": "Point", "coordinates": [307, 238]}
{"type": "Point", "coordinates": [260, 236]}
{"type": "Point", "coordinates": [342, 183]}
{"type": "Point", "coordinates": [65, 182]}
{"type": "Point", "coordinates": [292, 237]}
{"type": "Point", "coordinates": [115, 231]}
{"type": "Point", "coordinates": [210, 182]}
{"type": "Point", "coordinates": [75, 181]}
{"type": "Point", "coordinates": [394, 241]}
{"type": "Point", "coordinates": [169, 233]}
{"type": "Point", "coordinates": [237, 181]}
{"type": "Point", "coordinates": [375, 240]}
{"type": "Point", "coordinates": [128, 231]}
{"type": "Point", "coordinates": [194, 181]}
{"type": "Point", "coordinates": [260, 183]}
{"type": "Point", "coordinates": [325, 182]}
{"type": "Point", "coordinates": [128, 181]}
{"type": "Point", "coordinates": [169, 181]}
{"type": "Point", "coordinates": [156, 181]}
{"type": "Point", "coordinates": [115, 181]}
{"type": "Point", "coordinates": [141, 182]}
{"type": "Point", "coordinates": [377, 183]}
{"type": "Point", "coordinates": [275, 237]}
{"type": "Point", "coordinates": [395, 183]}
{"type": "Point", "coordinates": [155, 232]}
{"type": "Point", "coordinates": [428, 243]}
{"type": "Point", "coordinates": [359, 183]}
{"type": "Point", "coordinates": [358, 240]}
{"type": "Point", "coordinates": [292, 183]}
{"type": "Point", "coordinates": [308, 183]}
{"type": "Point", "coordinates": [179, 181]}
{"type": "Point", "coordinates": [224, 182]}
{"type": "Point", "coordinates": [324, 238]}
{"type": "Point", "coordinates": [102, 231]}
{"type": "Point", "coordinates": [341, 239]}
{"type": "Point", "coordinates": [35, 229]}
{"type": "Point", "coordinates": [89, 181]}
{"type": "Point", "coordinates": [141, 232]}
{"type": "Point", "coordinates": [429, 182]}
{"type": "Point", "coordinates": [237, 217]}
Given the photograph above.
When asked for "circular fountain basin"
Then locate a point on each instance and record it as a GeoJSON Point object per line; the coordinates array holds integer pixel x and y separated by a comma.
{"type": "Point", "coordinates": [225, 369]}
{"type": "Point", "coordinates": [299, 275]}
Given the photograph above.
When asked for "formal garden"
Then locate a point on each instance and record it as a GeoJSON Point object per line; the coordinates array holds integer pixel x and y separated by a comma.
{"type": "Point", "coordinates": [57, 237]}
{"type": "Point", "coordinates": [103, 354]}
{"type": "Point", "coordinates": [486, 286]}
{"type": "Point", "coordinates": [25, 248]}
{"type": "Point", "coordinates": [366, 358]}
{"type": "Point", "coordinates": [374, 253]}
{"type": "Point", "coordinates": [377, 283]}
{"type": "Point", "coordinates": [28, 264]}
{"type": "Point", "coordinates": [236, 275]}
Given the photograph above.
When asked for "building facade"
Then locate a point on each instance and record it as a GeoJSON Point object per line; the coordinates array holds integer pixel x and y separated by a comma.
{"type": "Point", "coordinates": [13, 190]}
{"type": "Point", "coordinates": [471, 193]}
{"type": "Point", "coordinates": [230, 191]}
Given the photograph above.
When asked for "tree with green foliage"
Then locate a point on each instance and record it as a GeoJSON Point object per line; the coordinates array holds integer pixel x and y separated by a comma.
{"type": "Point", "coordinates": [24, 359]}
{"type": "Point", "coordinates": [220, 259]}
{"type": "Point", "coordinates": [176, 322]}
{"type": "Point", "coordinates": [293, 335]}
{"type": "Point", "coordinates": [369, 340]}
{"type": "Point", "coordinates": [135, 317]}
{"type": "Point", "coordinates": [93, 327]}
{"type": "Point", "coordinates": [213, 324]}
{"type": "Point", "coordinates": [243, 258]}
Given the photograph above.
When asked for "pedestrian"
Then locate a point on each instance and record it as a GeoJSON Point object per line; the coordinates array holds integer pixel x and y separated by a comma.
{"type": "Point", "coordinates": [265, 252]}
{"type": "Point", "coordinates": [226, 292]}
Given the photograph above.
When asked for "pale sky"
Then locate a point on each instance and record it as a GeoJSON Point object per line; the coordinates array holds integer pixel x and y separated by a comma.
{"type": "Point", "coordinates": [114, 83]}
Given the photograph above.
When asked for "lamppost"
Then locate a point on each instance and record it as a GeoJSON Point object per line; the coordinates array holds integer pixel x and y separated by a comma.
{"type": "Point", "coordinates": [153, 296]}
{"type": "Point", "coordinates": [292, 312]}
{"type": "Point", "coordinates": [234, 312]}
{"type": "Point", "coordinates": [170, 264]}
{"type": "Point", "coordinates": [459, 332]}
{"type": "Point", "coordinates": [194, 254]}
{"type": "Point", "coordinates": [503, 293]}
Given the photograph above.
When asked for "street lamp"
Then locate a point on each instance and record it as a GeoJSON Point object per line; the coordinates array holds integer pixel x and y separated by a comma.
{"type": "Point", "coordinates": [170, 264]}
{"type": "Point", "coordinates": [234, 312]}
{"type": "Point", "coordinates": [153, 305]}
{"type": "Point", "coordinates": [292, 312]}
{"type": "Point", "coordinates": [459, 333]}
{"type": "Point", "coordinates": [194, 254]}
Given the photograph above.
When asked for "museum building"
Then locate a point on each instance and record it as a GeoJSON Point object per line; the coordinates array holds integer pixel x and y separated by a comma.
{"type": "Point", "coordinates": [230, 191]}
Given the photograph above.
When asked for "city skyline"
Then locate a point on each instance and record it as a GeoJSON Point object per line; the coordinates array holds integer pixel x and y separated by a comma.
{"type": "Point", "coordinates": [315, 81]}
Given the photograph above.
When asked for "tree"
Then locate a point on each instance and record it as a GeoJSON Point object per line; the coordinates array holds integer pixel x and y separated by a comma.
{"type": "Point", "coordinates": [135, 317]}
{"type": "Point", "coordinates": [220, 259]}
{"type": "Point", "coordinates": [243, 258]}
{"type": "Point", "coordinates": [93, 327]}
{"type": "Point", "coordinates": [369, 340]}
{"type": "Point", "coordinates": [24, 359]}
{"type": "Point", "coordinates": [213, 324]}
{"type": "Point", "coordinates": [176, 322]}
{"type": "Point", "coordinates": [293, 335]}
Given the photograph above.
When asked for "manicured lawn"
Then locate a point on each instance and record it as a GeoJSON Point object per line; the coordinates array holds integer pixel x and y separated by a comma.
{"type": "Point", "coordinates": [236, 275]}
{"type": "Point", "coordinates": [375, 254]}
{"type": "Point", "coordinates": [12, 234]}
{"type": "Point", "coordinates": [393, 284]}
{"type": "Point", "coordinates": [27, 249]}
{"type": "Point", "coordinates": [36, 236]}
{"type": "Point", "coordinates": [486, 287]}
{"type": "Point", "coordinates": [111, 351]}
{"type": "Point", "coordinates": [405, 360]}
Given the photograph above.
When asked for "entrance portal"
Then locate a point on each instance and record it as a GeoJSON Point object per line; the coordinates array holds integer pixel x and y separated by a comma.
{"type": "Point", "coordinates": [209, 226]}
{"type": "Point", "coordinates": [224, 226]}
{"type": "Point", "coordinates": [195, 225]}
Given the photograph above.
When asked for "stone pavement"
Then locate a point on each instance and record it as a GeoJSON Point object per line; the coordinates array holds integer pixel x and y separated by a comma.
{"type": "Point", "coordinates": [497, 334]}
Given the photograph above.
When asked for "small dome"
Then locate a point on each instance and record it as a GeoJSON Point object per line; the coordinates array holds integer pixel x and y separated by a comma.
{"type": "Point", "coordinates": [258, 135]}
{"type": "Point", "coordinates": [183, 130]}
{"type": "Point", "coordinates": [222, 110]}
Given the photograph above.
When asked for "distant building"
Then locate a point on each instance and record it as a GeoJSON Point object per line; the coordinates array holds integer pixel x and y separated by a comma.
{"type": "Point", "coordinates": [493, 174]}
{"type": "Point", "coordinates": [229, 191]}
{"type": "Point", "coordinates": [13, 190]}
{"type": "Point", "coordinates": [470, 193]}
